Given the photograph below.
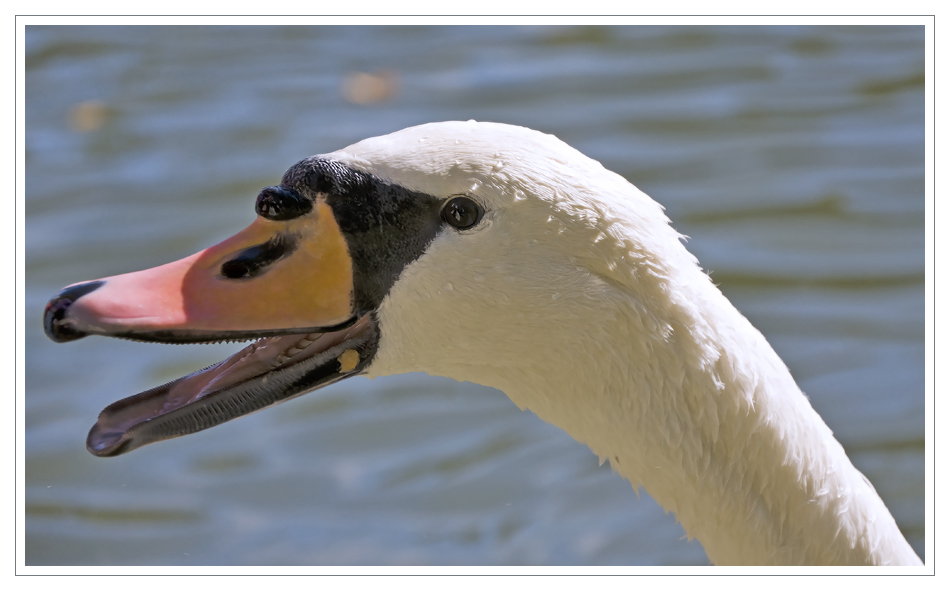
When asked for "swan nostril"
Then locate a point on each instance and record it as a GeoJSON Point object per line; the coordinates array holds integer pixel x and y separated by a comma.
{"type": "Point", "coordinates": [255, 260]}
{"type": "Point", "coordinates": [58, 328]}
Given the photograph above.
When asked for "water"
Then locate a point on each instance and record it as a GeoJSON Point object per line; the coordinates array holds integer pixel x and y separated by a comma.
{"type": "Point", "coordinates": [792, 156]}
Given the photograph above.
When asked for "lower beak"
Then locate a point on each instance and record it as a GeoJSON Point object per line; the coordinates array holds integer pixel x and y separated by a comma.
{"type": "Point", "coordinates": [263, 374]}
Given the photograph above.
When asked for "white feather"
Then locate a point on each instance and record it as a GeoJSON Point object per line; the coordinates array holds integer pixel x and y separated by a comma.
{"type": "Point", "coordinates": [577, 298]}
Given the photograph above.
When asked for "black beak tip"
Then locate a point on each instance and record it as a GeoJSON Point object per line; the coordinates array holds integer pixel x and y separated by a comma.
{"type": "Point", "coordinates": [55, 322]}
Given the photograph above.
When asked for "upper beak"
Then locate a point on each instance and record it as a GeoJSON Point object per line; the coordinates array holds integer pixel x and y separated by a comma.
{"type": "Point", "coordinates": [274, 277]}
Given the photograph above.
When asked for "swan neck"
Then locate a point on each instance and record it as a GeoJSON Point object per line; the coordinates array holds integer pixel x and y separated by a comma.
{"type": "Point", "coordinates": [709, 421]}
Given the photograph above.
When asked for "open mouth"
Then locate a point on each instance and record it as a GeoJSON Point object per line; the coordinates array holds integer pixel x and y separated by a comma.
{"type": "Point", "coordinates": [266, 372]}
{"type": "Point", "coordinates": [285, 281]}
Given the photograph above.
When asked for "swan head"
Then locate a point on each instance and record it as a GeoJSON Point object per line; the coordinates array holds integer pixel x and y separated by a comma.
{"type": "Point", "coordinates": [478, 251]}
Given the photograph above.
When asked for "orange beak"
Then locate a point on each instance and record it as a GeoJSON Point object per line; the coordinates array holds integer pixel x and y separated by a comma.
{"type": "Point", "coordinates": [274, 277]}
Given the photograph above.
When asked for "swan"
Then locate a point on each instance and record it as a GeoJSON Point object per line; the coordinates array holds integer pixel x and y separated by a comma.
{"type": "Point", "coordinates": [499, 255]}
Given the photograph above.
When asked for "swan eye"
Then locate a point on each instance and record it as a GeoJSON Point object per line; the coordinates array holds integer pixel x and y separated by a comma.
{"type": "Point", "coordinates": [278, 204]}
{"type": "Point", "coordinates": [462, 212]}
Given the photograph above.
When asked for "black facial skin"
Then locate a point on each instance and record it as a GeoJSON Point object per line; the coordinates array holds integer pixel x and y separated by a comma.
{"type": "Point", "coordinates": [386, 226]}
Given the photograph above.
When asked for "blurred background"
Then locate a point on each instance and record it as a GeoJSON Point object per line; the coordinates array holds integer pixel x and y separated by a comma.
{"type": "Point", "coordinates": [793, 157]}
